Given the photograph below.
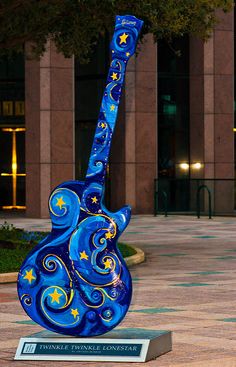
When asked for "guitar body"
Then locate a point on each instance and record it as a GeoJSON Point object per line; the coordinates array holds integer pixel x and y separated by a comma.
{"type": "Point", "coordinates": [75, 281]}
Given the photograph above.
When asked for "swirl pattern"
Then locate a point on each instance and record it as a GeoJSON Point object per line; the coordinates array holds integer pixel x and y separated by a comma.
{"type": "Point", "coordinates": [75, 281]}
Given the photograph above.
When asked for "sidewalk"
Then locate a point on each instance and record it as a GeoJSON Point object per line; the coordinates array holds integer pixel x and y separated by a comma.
{"type": "Point", "coordinates": [187, 285]}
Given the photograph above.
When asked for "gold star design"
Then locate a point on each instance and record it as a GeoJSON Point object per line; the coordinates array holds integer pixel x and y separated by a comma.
{"type": "Point", "coordinates": [127, 54]}
{"type": "Point", "coordinates": [112, 107]}
{"type": "Point", "coordinates": [55, 296]}
{"type": "Point", "coordinates": [74, 312]}
{"type": "Point", "coordinates": [114, 76]}
{"type": "Point", "coordinates": [29, 276]}
{"type": "Point", "coordinates": [60, 202]}
{"type": "Point", "coordinates": [108, 235]}
{"type": "Point", "coordinates": [94, 200]}
{"type": "Point", "coordinates": [108, 264]}
{"type": "Point", "coordinates": [123, 38]}
{"type": "Point", "coordinates": [103, 125]}
{"type": "Point", "coordinates": [83, 255]}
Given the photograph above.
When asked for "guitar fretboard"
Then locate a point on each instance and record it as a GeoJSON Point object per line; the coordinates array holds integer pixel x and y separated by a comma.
{"type": "Point", "coordinates": [123, 46]}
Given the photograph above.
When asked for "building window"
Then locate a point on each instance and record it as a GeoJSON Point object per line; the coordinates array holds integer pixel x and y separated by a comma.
{"type": "Point", "coordinates": [173, 120]}
{"type": "Point", "coordinates": [12, 132]}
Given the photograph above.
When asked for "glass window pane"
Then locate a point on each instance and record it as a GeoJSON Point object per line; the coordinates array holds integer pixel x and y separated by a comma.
{"type": "Point", "coordinates": [173, 107]}
{"type": "Point", "coordinates": [88, 99]}
{"type": "Point", "coordinates": [173, 123]}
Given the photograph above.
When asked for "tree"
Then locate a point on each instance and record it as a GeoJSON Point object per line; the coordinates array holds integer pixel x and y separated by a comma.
{"type": "Point", "coordinates": [76, 25]}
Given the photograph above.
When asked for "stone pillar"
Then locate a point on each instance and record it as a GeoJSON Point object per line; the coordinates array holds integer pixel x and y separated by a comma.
{"type": "Point", "coordinates": [49, 85]}
{"type": "Point", "coordinates": [224, 112]}
{"type": "Point", "coordinates": [196, 103]}
{"type": "Point", "coordinates": [130, 134]}
{"type": "Point", "coordinates": [134, 147]}
{"type": "Point", "coordinates": [116, 187]}
{"type": "Point", "coordinates": [211, 111]}
{"type": "Point", "coordinates": [146, 125]}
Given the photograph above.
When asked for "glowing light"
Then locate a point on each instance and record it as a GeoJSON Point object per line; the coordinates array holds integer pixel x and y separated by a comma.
{"type": "Point", "coordinates": [13, 173]}
{"type": "Point", "coordinates": [184, 166]}
{"type": "Point", "coordinates": [13, 207]}
{"type": "Point", "coordinates": [197, 165]}
{"type": "Point", "coordinates": [14, 167]}
{"type": "Point", "coordinates": [9, 129]}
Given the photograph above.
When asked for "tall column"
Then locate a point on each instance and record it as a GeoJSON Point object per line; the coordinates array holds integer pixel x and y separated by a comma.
{"type": "Point", "coordinates": [49, 128]}
{"type": "Point", "coordinates": [224, 112]}
{"type": "Point", "coordinates": [211, 111]}
{"type": "Point", "coordinates": [197, 106]}
{"type": "Point", "coordinates": [146, 125]}
{"type": "Point", "coordinates": [130, 134]}
{"type": "Point", "coordinates": [134, 147]}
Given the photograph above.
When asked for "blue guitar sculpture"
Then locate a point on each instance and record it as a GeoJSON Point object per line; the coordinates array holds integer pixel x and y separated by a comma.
{"type": "Point", "coordinates": [75, 281]}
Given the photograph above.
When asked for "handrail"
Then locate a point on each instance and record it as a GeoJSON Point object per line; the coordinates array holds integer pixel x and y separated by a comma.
{"type": "Point", "coordinates": [156, 193]}
{"type": "Point", "coordinates": [209, 201]}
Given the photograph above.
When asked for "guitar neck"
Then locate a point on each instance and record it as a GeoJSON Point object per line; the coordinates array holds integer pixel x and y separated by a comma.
{"type": "Point", "coordinates": [106, 124]}
{"type": "Point", "coordinates": [123, 46]}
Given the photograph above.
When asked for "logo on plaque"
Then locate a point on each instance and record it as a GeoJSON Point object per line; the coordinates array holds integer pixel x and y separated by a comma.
{"type": "Point", "coordinates": [75, 281]}
{"type": "Point", "coordinates": [29, 348]}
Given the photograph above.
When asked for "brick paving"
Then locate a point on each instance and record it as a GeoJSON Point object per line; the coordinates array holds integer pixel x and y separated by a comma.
{"type": "Point", "coordinates": [187, 285]}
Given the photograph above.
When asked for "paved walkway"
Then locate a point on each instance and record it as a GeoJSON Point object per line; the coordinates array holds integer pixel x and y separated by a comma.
{"type": "Point", "coordinates": [187, 285]}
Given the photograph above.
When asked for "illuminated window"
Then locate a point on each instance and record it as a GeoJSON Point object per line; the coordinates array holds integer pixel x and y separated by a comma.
{"type": "Point", "coordinates": [12, 133]}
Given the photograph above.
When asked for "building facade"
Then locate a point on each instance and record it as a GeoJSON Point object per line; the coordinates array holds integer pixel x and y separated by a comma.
{"type": "Point", "coordinates": [175, 125]}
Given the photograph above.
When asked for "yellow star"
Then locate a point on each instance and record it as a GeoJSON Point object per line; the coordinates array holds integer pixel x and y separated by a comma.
{"type": "Point", "coordinates": [112, 107]}
{"type": "Point", "coordinates": [108, 235]}
{"type": "Point", "coordinates": [74, 312]}
{"type": "Point", "coordinates": [83, 255]}
{"type": "Point", "coordinates": [114, 76]}
{"type": "Point", "coordinates": [123, 38]}
{"type": "Point", "coordinates": [60, 202]}
{"type": "Point", "coordinates": [55, 296]}
{"type": "Point", "coordinates": [108, 264]}
{"type": "Point", "coordinates": [127, 54]}
{"type": "Point", "coordinates": [103, 125]}
{"type": "Point", "coordinates": [94, 200]}
{"type": "Point", "coordinates": [29, 276]}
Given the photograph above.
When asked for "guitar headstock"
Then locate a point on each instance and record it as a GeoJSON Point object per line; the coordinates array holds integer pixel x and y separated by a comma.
{"type": "Point", "coordinates": [127, 29]}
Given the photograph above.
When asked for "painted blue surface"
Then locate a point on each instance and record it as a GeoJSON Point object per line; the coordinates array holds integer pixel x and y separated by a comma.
{"type": "Point", "coordinates": [75, 281]}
